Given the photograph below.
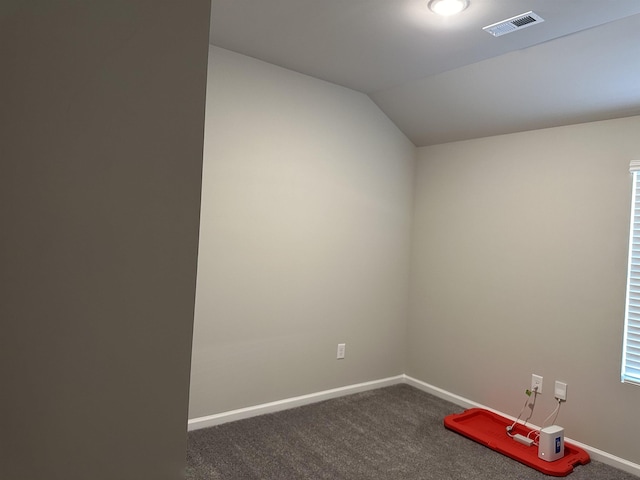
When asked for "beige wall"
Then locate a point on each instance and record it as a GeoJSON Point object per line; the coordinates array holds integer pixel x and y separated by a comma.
{"type": "Point", "coordinates": [304, 240]}
{"type": "Point", "coordinates": [519, 261]}
{"type": "Point", "coordinates": [100, 167]}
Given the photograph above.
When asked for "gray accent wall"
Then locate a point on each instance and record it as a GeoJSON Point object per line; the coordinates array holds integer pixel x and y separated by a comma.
{"type": "Point", "coordinates": [518, 267]}
{"type": "Point", "coordinates": [306, 212]}
{"type": "Point", "coordinates": [102, 116]}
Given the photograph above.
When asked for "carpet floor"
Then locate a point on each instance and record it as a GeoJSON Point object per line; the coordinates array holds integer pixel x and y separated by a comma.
{"type": "Point", "coordinates": [393, 433]}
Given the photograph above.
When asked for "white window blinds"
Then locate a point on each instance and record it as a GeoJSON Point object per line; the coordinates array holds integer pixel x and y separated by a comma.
{"type": "Point", "coordinates": [631, 343]}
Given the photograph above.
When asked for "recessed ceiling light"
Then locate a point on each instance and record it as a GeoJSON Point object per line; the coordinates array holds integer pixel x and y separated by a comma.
{"type": "Point", "coordinates": [448, 7]}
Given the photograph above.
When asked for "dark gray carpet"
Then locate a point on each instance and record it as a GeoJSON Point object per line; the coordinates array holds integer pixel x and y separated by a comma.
{"type": "Point", "coordinates": [389, 433]}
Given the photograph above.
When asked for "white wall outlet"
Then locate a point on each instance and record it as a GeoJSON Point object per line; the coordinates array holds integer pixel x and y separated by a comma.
{"type": "Point", "coordinates": [341, 349]}
{"type": "Point", "coordinates": [536, 381]}
{"type": "Point", "coordinates": [560, 391]}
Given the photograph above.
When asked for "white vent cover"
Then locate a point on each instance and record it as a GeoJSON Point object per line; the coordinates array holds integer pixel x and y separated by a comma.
{"type": "Point", "coordinates": [514, 23]}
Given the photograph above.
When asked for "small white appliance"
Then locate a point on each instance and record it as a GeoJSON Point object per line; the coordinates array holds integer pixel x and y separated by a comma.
{"type": "Point", "coordinates": [551, 443]}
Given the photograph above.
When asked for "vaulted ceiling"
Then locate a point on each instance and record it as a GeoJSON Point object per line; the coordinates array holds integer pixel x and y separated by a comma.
{"type": "Point", "coordinates": [442, 79]}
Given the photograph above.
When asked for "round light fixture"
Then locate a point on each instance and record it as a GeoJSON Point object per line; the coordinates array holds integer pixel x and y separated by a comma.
{"type": "Point", "coordinates": [448, 7]}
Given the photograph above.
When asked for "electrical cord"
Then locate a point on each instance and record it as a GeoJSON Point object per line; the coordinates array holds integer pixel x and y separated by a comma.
{"type": "Point", "coordinates": [532, 405]}
{"type": "Point", "coordinates": [555, 412]}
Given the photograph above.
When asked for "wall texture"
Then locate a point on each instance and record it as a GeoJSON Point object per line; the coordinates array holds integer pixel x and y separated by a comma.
{"type": "Point", "coordinates": [518, 267]}
{"type": "Point", "coordinates": [306, 210]}
{"type": "Point", "coordinates": [102, 129]}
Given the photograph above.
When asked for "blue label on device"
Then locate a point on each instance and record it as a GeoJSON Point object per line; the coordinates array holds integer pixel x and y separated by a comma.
{"type": "Point", "coordinates": [558, 444]}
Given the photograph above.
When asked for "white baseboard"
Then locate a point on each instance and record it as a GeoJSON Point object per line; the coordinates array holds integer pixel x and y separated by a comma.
{"type": "Point", "coordinates": [594, 453]}
{"type": "Point", "coordinates": [271, 407]}
{"type": "Point", "coordinates": [287, 403]}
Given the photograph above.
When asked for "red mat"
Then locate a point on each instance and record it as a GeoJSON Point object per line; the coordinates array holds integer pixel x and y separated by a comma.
{"type": "Point", "coordinates": [489, 429]}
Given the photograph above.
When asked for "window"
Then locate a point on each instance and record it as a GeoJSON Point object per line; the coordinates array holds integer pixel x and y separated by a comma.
{"type": "Point", "coordinates": [631, 343]}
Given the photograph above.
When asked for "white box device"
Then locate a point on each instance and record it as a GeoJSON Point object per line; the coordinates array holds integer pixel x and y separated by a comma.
{"type": "Point", "coordinates": [551, 443]}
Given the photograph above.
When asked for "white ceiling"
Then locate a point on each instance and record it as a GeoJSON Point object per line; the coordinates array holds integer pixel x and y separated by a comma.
{"type": "Point", "coordinates": [445, 79]}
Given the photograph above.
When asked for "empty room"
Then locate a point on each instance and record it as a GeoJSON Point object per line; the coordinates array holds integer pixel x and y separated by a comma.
{"type": "Point", "coordinates": [294, 239]}
{"type": "Point", "coordinates": [451, 206]}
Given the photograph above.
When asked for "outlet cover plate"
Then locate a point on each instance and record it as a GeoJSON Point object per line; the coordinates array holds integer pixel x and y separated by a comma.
{"type": "Point", "coordinates": [560, 391]}
{"type": "Point", "coordinates": [536, 381]}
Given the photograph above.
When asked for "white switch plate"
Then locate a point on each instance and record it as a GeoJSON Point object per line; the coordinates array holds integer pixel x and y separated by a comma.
{"type": "Point", "coordinates": [341, 349]}
{"type": "Point", "coordinates": [536, 381]}
{"type": "Point", "coordinates": [560, 391]}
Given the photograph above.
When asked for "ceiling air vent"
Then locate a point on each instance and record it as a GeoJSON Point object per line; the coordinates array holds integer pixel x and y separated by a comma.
{"type": "Point", "coordinates": [514, 23]}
